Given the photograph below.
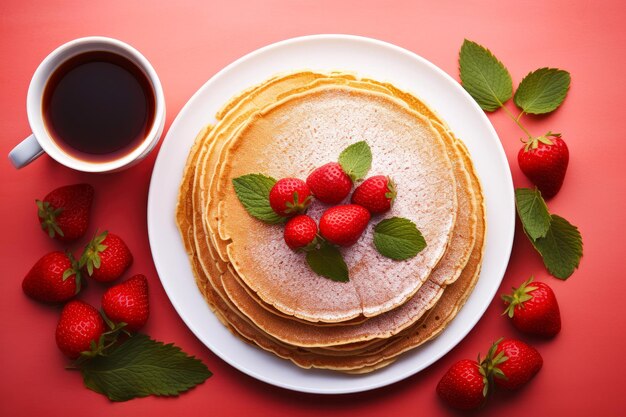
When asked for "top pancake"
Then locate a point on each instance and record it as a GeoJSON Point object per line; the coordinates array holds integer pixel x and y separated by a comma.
{"type": "Point", "coordinates": [304, 131]}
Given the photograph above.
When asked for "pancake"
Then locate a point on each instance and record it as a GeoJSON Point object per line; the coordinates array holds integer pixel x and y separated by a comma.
{"type": "Point", "coordinates": [445, 310]}
{"type": "Point", "coordinates": [212, 272]}
{"type": "Point", "coordinates": [452, 264]}
{"type": "Point", "coordinates": [307, 130]}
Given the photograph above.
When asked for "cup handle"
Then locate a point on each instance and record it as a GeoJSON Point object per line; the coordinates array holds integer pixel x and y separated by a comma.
{"type": "Point", "coordinates": [25, 152]}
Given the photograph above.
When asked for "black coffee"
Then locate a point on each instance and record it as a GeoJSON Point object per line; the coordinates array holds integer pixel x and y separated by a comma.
{"type": "Point", "coordinates": [98, 106]}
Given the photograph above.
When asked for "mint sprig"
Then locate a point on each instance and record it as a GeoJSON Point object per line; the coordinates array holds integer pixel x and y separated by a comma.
{"type": "Point", "coordinates": [561, 248]}
{"type": "Point", "coordinates": [398, 238]}
{"type": "Point", "coordinates": [327, 261]}
{"type": "Point", "coordinates": [140, 367]}
{"type": "Point", "coordinates": [484, 76]}
{"type": "Point", "coordinates": [488, 81]}
{"type": "Point", "coordinates": [356, 160]}
{"type": "Point", "coordinates": [559, 244]}
{"type": "Point", "coordinates": [253, 191]}
{"type": "Point", "coordinates": [532, 211]}
{"type": "Point", "coordinates": [542, 91]}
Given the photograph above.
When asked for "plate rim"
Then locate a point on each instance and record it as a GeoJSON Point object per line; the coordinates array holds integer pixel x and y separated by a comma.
{"type": "Point", "coordinates": [326, 37]}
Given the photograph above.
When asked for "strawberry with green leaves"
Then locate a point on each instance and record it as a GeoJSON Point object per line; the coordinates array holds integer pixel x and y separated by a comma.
{"type": "Point", "coordinates": [544, 158]}
{"type": "Point", "coordinates": [54, 278]}
{"type": "Point", "coordinates": [533, 309]}
{"type": "Point", "coordinates": [128, 303]}
{"type": "Point", "coordinates": [520, 366]}
{"type": "Point", "coordinates": [544, 161]}
{"type": "Point", "coordinates": [509, 364]}
{"type": "Point", "coordinates": [106, 257]}
{"type": "Point", "coordinates": [331, 183]}
{"type": "Point", "coordinates": [79, 330]}
{"type": "Point", "coordinates": [467, 384]}
{"type": "Point", "coordinates": [64, 212]}
{"type": "Point", "coordinates": [290, 196]}
{"type": "Point", "coordinates": [376, 194]}
{"type": "Point", "coordinates": [464, 386]}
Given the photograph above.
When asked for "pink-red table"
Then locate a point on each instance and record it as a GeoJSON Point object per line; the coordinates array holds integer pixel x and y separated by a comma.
{"type": "Point", "coordinates": [188, 42]}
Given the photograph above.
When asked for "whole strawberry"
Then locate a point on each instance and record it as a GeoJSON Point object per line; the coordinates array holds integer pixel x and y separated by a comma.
{"type": "Point", "coordinates": [520, 364]}
{"type": "Point", "coordinates": [343, 225]}
{"type": "Point", "coordinates": [300, 232]}
{"type": "Point", "coordinates": [53, 279]}
{"type": "Point", "coordinates": [106, 257]}
{"type": "Point", "coordinates": [290, 196]}
{"type": "Point", "coordinates": [80, 325]}
{"type": "Point", "coordinates": [544, 161]}
{"type": "Point", "coordinates": [464, 385]}
{"type": "Point", "coordinates": [329, 183]}
{"type": "Point", "coordinates": [128, 303]}
{"type": "Point", "coordinates": [64, 212]}
{"type": "Point", "coordinates": [533, 309]}
{"type": "Point", "coordinates": [376, 194]}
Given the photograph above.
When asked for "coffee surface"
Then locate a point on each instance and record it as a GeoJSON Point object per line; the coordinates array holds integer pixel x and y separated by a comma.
{"type": "Point", "coordinates": [98, 106]}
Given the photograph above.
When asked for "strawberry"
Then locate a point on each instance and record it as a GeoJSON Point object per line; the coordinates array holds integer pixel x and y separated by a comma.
{"type": "Point", "coordinates": [533, 309]}
{"type": "Point", "coordinates": [343, 225]}
{"type": "Point", "coordinates": [376, 194]}
{"type": "Point", "coordinates": [106, 257]}
{"type": "Point", "coordinates": [128, 303]}
{"type": "Point", "coordinates": [80, 329]}
{"type": "Point", "coordinates": [64, 212]}
{"type": "Point", "coordinates": [544, 161]}
{"type": "Point", "coordinates": [290, 196]}
{"type": "Point", "coordinates": [464, 385]}
{"type": "Point", "coordinates": [300, 232]}
{"type": "Point", "coordinates": [54, 278]}
{"type": "Point", "coordinates": [329, 183]}
{"type": "Point", "coordinates": [520, 363]}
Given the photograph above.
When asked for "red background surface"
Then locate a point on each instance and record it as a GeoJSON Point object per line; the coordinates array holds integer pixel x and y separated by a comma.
{"type": "Point", "coordinates": [188, 42]}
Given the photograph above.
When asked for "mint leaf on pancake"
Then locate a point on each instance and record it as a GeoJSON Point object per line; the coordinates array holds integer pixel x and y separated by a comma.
{"type": "Point", "coordinates": [484, 77]}
{"type": "Point", "coordinates": [253, 191]}
{"type": "Point", "coordinates": [356, 160]}
{"type": "Point", "coordinates": [532, 211]}
{"type": "Point", "coordinates": [542, 91]}
{"type": "Point", "coordinates": [328, 262]}
{"type": "Point", "coordinates": [140, 367]}
{"type": "Point", "coordinates": [398, 238]}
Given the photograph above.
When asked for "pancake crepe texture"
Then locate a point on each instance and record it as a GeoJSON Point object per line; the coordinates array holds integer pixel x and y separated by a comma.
{"type": "Point", "coordinates": [264, 292]}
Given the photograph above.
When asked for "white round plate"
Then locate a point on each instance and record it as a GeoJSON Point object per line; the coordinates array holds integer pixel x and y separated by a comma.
{"type": "Point", "coordinates": [368, 58]}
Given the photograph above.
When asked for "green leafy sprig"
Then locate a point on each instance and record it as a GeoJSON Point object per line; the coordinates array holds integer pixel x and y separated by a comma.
{"type": "Point", "coordinates": [123, 366]}
{"type": "Point", "coordinates": [489, 82]}
{"type": "Point", "coordinates": [558, 242]}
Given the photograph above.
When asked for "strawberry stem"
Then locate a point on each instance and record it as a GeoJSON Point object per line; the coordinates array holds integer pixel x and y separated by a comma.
{"type": "Point", "coordinates": [516, 120]}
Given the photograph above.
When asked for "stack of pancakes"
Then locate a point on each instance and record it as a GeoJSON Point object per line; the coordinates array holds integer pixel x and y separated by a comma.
{"type": "Point", "coordinates": [265, 293]}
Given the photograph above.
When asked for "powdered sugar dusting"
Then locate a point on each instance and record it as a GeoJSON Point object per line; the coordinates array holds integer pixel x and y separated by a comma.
{"type": "Point", "coordinates": [313, 132]}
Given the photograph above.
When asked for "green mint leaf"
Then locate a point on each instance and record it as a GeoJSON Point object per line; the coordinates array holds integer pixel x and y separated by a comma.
{"type": "Point", "coordinates": [561, 248]}
{"type": "Point", "coordinates": [484, 77]}
{"type": "Point", "coordinates": [398, 238]}
{"type": "Point", "coordinates": [253, 190]}
{"type": "Point", "coordinates": [542, 91]}
{"type": "Point", "coordinates": [140, 367]}
{"type": "Point", "coordinates": [328, 262]}
{"type": "Point", "coordinates": [533, 212]}
{"type": "Point", "coordinates": [356, 160]}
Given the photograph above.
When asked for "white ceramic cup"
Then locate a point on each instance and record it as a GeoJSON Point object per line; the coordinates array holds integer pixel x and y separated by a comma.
{"type": "Point", "coordinates": [40, 141]}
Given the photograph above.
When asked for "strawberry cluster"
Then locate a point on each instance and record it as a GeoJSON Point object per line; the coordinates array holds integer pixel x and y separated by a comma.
{"type": "Point", "coordinates": [510, 363]}
{"type": "Point", "coordinates": [340, 225]}
{"type": "Point", "coordinates": [56, 277]}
